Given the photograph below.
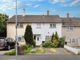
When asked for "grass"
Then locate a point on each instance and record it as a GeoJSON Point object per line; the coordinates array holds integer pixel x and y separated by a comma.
{"type": "Point", "coordinates": [23, 50]}
{"type": "Point", "coordinates": [13, 52]}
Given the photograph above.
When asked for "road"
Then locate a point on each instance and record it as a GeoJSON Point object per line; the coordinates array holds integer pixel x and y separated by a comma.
{"type": "Point", "coordinates": [41, 57]}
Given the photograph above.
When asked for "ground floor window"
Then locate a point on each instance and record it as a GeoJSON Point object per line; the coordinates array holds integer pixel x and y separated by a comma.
{"type": "Point", "coordinates": [20, 38]}
{"type": "Point", "coordinates": [47, 38]}
{"type": "Point", "coordinates": [37, 37]}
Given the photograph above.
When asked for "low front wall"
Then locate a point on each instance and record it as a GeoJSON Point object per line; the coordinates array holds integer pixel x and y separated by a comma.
{"type": "Point", "coordinates": [72, 49]}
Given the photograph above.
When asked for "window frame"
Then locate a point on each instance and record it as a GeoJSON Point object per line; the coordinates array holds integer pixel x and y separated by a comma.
{"type": "Point", "coordinates": [19, 25]}
{"type": "Point", "coordinates": [52, 25]}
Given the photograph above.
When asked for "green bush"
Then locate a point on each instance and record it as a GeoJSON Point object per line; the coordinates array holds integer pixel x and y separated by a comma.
{"type": "Point", "coordinates": [28, 36]}
{"type": "Point", "coordinates": [48, 44]}
{"type": "Point", "coordinates": [55, 40]}
{"type": "Point", "coordinates": [11, 53]}
{"type": "Point", "coordinates": [61, 43]}
{"type": "Point", "coordinates": [26, 49]}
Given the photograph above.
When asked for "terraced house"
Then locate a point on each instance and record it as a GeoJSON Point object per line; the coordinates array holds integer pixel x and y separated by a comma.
{"type": "Point", "coordinates": [43, 26]}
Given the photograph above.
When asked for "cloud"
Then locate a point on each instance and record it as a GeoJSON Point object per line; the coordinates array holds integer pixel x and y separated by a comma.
{"type": "Point", "coordinates": [8, 5]}
{"type": "Point", "coordinates": [54, 1]}
{"type": "Point", "coordinates": [37, 0]}
{"type": "Point", "coordinates": [74, 2]}
{"type": "Point", "coordinates": [62, 1]}
{"type": "Point", "coordinates": [57, 1]}
{"type": "Point", "coordinates": [36, 6]}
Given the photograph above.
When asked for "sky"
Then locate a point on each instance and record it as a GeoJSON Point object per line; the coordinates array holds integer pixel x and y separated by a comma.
{"type": "Point", "coordinates": [40, 7]}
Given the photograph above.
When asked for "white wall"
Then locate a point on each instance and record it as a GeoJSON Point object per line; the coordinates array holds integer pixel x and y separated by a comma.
{"type": "Point", "coordinates": [72, 49]}
{"type": "Point", "coordinates": [44, 31]}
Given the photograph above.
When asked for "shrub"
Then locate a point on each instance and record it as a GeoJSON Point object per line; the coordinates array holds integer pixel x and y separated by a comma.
{"type": "Point", "coordinates": [28, 36]}
{"type": "Point", "coordinates": [55, 40]}
{"type": "Point", "coordinates": [25, 49]}
{"type": "Point", "coordinates": [11, 53]}
{"type": "Point", "coordinates": [48, 44]}
{"type": "Point", "coordinates": [62, 42]}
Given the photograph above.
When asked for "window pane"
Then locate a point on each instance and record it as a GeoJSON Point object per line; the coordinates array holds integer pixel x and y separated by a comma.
{"type": "Point", "coordinates": [20, 25]}
{"type": "Point", "coordinates": [52, 25]}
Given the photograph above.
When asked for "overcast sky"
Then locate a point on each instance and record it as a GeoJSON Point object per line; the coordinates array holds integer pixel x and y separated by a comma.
{"type": "Point", "coordinates": [39, 7]}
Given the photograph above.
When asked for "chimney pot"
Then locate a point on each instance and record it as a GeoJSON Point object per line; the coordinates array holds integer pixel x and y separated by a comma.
{"type": "Point", "coordinates": [68, 15]}
{"type": "Point", "coordinates": [48, 12]}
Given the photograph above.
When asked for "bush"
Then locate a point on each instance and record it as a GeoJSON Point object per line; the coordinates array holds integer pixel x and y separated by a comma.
{"type": "Point", "coordinates": [48, 44]}
{"type": "Point", "coordinates": [28, 36]}
{"type": "Point", "coordinates": [22, 50]}
{"type": "Point", "coordinates": [11, 53]}
{"type": "Point", "coordinates": [62, 41]}
{"type": "Point", "coordinates": [27, 48]}
{"type": "Point", "coordinates": [55, 40]}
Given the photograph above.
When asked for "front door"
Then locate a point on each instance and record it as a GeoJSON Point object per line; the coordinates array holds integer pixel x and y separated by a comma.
{"type": "Point", "coordinates": [38, 41]}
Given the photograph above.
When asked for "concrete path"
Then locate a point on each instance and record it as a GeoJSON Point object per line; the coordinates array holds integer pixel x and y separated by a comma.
{"type": "Point", "coordinates": [62, 51]}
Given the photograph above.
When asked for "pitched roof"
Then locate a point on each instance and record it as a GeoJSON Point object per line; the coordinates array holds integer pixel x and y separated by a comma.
{"type": "Point", "coordinates": [71, 21]}
{"type": "Point", "coordinates": [36, 19]}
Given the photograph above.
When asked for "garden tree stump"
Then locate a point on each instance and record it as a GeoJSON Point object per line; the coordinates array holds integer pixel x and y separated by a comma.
{"type": "Point", "coordinates": [20, 51]}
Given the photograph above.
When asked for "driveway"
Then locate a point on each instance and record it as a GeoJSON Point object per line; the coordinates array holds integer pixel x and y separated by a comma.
{"type": "Point", "coordinates": [62, 51]}
{"type": "Point", "coordinates": [58, 51]}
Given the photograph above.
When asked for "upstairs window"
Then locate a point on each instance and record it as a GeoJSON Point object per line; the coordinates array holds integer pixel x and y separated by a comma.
{"type": "Point", "coordinates": [38, 26]}
{"type": "Point", "coordinates": [52, 25]}
{"type": "Point", "coordinates": [20, 25]}
{"type": "Point", "coordinates": [70, 27]}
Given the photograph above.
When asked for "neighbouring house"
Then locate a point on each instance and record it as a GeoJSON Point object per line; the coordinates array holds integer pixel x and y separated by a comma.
{"type": "Point", "coordinates": [43, 26]}
{"type": "Point", "coordinates": [71, 30]}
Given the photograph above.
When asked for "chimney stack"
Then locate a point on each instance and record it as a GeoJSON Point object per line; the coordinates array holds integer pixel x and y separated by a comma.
{"type": "Point", "coordinates": [48, 12]}
{"type": "Point", "coordinates": [24, 13]}
{"type": "Point", "coordinates": [68, 15]}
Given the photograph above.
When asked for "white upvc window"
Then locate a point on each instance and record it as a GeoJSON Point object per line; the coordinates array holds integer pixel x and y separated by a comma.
{"type": "Point", "coordinates": [38, 25]}
{"type": "Point", "coordinates": [52, 25]}
{"type": "Point", "coordinates": [20, 38]}
{"type": "Point", "coordinates": [70, 27]}
{"type": "Point", "coordinates": [19, 25]}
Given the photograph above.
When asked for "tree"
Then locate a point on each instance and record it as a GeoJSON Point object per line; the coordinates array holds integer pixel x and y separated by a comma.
{"type": "Point", "coordinates": [55, 40]}
{"type": "Point", "coordinates": [3, 23]}
{"type": "Point", "coordinates": [52, 37]}
{"type": "Point", "coordinates": [56, 36]}
{"type": "Point", "coordinates": [28, 36]}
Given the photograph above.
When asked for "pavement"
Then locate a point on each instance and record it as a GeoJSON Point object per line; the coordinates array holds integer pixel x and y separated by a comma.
{"type": "Point", "coordinates": [41, 57]}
